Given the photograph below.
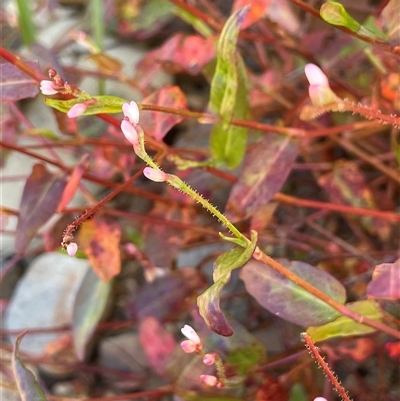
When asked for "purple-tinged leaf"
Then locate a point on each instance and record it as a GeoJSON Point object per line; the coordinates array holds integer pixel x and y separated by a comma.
{"type": "Point", "coordinates": [346, 185]}
{"type": "Point", "coordinates": [8, 130]}
{"type": "Point", "coordinates": [265, 170]}
{"type": "Point", "coordinates": [286, 299]}
{"type": "Point", "coordinates": [344, 326]}
{"type": "Point", "coordinates": [158, 124]}
{"type": "Point", "coordinates": [40, 198]}
{"type": "Point", "coordinates": [385, 282]}
{"type": "Point", "coordinates": [15, 84]}
{"type": "Point", "coordinates": [27, 385]}
{"type": "Point", "coordinates": [208, 302]}
{"type": "Point", "coordinates": [90, 307]}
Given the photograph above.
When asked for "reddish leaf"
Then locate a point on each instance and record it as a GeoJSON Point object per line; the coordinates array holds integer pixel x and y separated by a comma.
{"type": "Point", "coordinates": [41, 195]}
{"type": "Point", "coordinates": [73, 182]}
{"type": "Point", "coordinates": [157, 342]}
{"type": "Point", "coordinates": [16, 85]}
{"type": "Point", "coordinates": [53, 236]}
{"type": "Point", "coordinates": [346, 185]}
{"type": "Point", "coordinates": [147, 69]}
{"type": "Point", "coordinates": [99, 238]}
{"type": "Point", "coordinates": [393, 349]}
{"type": "Point", "coordinates": [257, 10]}
{"type": "Point", "coordinates": [184, 53]}
{"type": "Point", "coordinates": [265, 170]}
{"type": "Point", "coordinates": [7, 129]}
{"type": "Point", "coordinates": [385, 282]}
{"type": "Point", "coordinates": [289, 301]}
{"type": "Point", "coordinates": [158, 124]}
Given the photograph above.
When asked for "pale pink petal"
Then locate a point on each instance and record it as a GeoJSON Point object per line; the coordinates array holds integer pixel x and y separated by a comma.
{"type": "Point", "coordinates": [46, 87]}
{"type": "Point", "coordinates": [72, 248]}
{"type": "Point", "coordinates": [320, 399]}
{"type": "Point", "coordinates": [191, 334]}
{"type": "Point", "coordinates": [189, 346]}
{"type": "Point", "coordinates": [209, 380]}
{"type": "Point", "coordinates": [209, 359]}
{"type": "Point", "coordinates": [155, 175]}
{"type": "Point", "coordinates": [131, 111]}
{"type": "Point", "coordinates": [315, 75]}
{"type": "Point", "coordinates": [77, 110]}
{"type": "Point", "coordinates": [130, 132]}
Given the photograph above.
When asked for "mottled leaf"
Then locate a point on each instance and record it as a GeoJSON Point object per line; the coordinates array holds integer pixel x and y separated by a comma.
{"type": "Point", "coordinates": [286, 299]}
{"type": "Point", "coordinates": [225, 81]}
{"type": "Point", "coordinates": [27, 385]}
{"type": "Point", "coordinates": [90, 307]}
{"type": "Point", "coordinates": [385, 282]}
{"type": "Point", "coordinates": [172, 238]}
{"type": "Point", "coordinates": [182, 53]}
{"type": "Point", "coordinates": [228, 142]}
{"type": "Point", "coordinates": [344, 326]}
{"type": "Point", "coordinates": [208, 302]}
{"type": "Point", "coordinates": [390, 20]}
{"type": "Point", "coordinates": [257, 10]}
{"type": "Point", "coordinates": [100, 105]}
{"type": "Point", "coordinates": [100, 238]}
{"type": "Point", "coordinates": [73, 182]}
{"type": "Point", "coordinates": [157, 342]}
{"type": "Point", "coordinates": [41, 195]}
{"type": "Point", "coordinates": [265, 170]}
{"type": "Point", "coordinates": [158, 124]}
{"type": "Point", "coordinates": [15, 84]}
{"type": "Point", "coordinates": [346, 185]}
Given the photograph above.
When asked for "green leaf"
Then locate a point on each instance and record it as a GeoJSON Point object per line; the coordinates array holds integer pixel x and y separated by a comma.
{"type": "Point", "coordinates": [89, 308]}
{"type": "Point", "coordinates": [225, 81]}
{"type": "Point", "coordinates": [25, 21]}
{"type": "Point", "coordinates": [102, 105]}
{"type": "Point", "coordinates": [335, 14]}
{"type": "Point", "coordinates": [199, 25]}
{"type": "Point", "coordinates": [228, 142]}
{"type": "Point", "coordinates": [344, 326]}
{"type": "Point", "coordinates": [208, 302]}
{"type": "Point", "coordinates": [27, 385]}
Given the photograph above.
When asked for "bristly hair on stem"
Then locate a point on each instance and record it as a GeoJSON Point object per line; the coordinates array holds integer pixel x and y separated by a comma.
{"type": "Point", "coordinates": [321, 362]}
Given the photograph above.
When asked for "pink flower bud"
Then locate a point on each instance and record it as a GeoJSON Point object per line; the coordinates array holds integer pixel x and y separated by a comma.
{"type": "Point", "coordinates": [155, 175]}
{"type": "Point", "coordinates": [72, 248]}
{"type": "Point", "coordinates": [189, 346]}
{"type": "Point", "coordinates": [209, 380]}
{"type": "Point", "coordinates": [209, 359]}
{"type": "Point", "coordinates": [131, 111]}
{"type": "Point", "coordinates": [130, 132]}
{"type": "Point", "coordinates": [47, 88]}
{"type": "Point", "coordinates": [77, 110]}
{"type": "Point", "coordinates": [320, 399]}
{"type": "Point", "coordinates": [319, 90]}
{"type": "Point", "coordinates": [190, 334]}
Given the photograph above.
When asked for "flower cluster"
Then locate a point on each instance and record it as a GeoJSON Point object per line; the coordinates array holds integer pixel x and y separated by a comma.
{"type": "Point", "coordinates": [193, 345]}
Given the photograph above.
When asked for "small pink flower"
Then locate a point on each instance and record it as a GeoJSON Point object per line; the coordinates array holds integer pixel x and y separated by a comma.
{"type": "Point", "coordinates": [130, 132]}
{"type": "Point", "coordinates": [189, 346]}
{"type": "Point", "coordinates": [131, 111]}
{"type": "Point", "coordinates": [77, 110]}
{"type": "Point", "coordinates": [209, 380]}
{"type": "Point", "coordinates": [209, 359]}
{"type": "Point", "coordinates": [72, 248]}
{"type": "Point", "coordinates": [319, 90]}
{"type": "Point", "coordinates": [320, 399]}
{"type": "Point", "coordinates": [47, 88]}
{"type": "Point", "coordinates": [156, 176]}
